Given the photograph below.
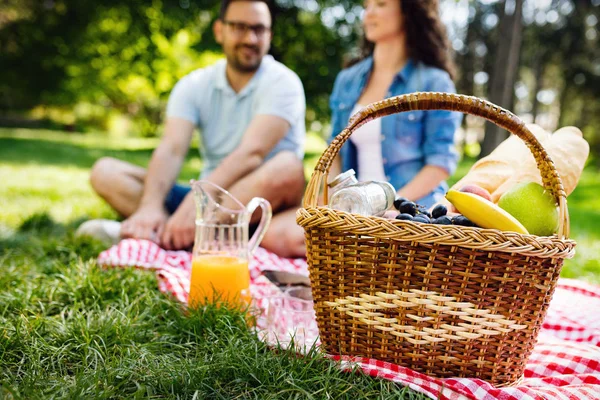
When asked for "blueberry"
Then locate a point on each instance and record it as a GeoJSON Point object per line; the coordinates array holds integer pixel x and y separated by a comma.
{"type": "Point", "coordinates": [398, 202]}
{"type": "Point", "coordinates": [459, 220]}
{"type": "Point", "coordinates": [439, 211]}
{"type": "Point", "coordinates": [425, 212]}
{"type": "Point", "coordinates": [443, 220]}
{"type": "Point", "coordinates": [404, 217]}
{"type": "Point", "coordinates": [462, 221]}
{"type": "Point", "coordinates": [408, 207]}
{"type": "Point", "coordinates": [422, 218]}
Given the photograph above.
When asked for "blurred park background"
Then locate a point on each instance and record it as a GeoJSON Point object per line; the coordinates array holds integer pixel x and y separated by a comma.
{"type": "Point", "coordinates": [83, 79]}
{"type": "Point", "coordinates": [83, 65]}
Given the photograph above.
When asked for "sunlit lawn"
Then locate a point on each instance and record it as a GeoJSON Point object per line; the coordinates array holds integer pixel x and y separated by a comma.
{"type": "Point", "coordinates": [47, 172]}
{"type": "Point", "coordinates": [69, 330]}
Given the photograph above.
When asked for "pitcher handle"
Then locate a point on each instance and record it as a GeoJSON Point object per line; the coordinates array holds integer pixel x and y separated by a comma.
{"type": "Point", "coordinates": [265, 220]}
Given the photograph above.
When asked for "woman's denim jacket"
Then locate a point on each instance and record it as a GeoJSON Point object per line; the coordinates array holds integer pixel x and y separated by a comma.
{"type": "Point", "coordinates": [409, 140]}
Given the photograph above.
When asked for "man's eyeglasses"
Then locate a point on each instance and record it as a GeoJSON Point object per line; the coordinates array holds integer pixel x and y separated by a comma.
{"type": "Point", "coordinates": [240, 28]}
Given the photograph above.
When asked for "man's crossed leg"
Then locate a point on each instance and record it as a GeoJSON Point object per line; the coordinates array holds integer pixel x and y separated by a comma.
{"type": "Point", "coordinates": [280, 180]}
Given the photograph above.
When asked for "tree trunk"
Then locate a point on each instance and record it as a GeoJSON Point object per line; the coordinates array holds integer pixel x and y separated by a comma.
{"type": "Point", "coordinates": [505, 70]}
{"type": "Point", "coordinates": [564, 95]}
{"type": "Point", "coordinates": [539, 73]}
{"type": "Point", "coordinates": [468, 64]}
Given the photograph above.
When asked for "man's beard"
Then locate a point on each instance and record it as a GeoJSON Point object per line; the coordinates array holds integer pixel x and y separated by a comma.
{"type": "Point", "coordinates": [237, 63]}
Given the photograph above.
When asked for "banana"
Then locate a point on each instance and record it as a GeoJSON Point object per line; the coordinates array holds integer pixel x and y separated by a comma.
{"type": "Point", "coordinates": [484, 213]}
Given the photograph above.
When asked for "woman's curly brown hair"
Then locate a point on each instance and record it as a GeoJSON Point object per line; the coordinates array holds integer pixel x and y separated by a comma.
{"type": "Point", "coordinates": [426, 37]}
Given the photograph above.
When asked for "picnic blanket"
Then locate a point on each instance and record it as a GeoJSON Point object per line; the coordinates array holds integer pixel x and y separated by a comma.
{"type": "Point", "coordinates": [565, 363]}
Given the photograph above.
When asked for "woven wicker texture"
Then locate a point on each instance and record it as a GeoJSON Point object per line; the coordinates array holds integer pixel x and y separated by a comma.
{"type": "Point", "coordinates": [444, 300]}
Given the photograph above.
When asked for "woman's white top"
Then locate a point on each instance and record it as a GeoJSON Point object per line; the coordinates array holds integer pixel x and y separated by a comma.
{"type": "Point", "coordinates": [367, 140]}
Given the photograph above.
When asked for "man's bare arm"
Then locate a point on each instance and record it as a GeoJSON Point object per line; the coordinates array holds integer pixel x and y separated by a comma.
{"type": "Point", "coordinates": [261, 136]}
{"type": "Point", "coordinates": [166, 162]}
{"type": "Point", "coordinates": [150, 217]}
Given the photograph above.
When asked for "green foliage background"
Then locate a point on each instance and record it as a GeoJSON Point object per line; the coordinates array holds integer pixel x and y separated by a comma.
{"type": "Point", "coordinates": [86, 65]}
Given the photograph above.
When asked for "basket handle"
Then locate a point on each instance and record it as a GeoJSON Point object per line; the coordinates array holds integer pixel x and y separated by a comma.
{"type": "Point", "coordinates": [452, 102]}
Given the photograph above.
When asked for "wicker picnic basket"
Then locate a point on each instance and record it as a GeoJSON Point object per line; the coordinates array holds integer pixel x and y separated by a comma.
{"type": "Point", "coordinates": [444, 300]}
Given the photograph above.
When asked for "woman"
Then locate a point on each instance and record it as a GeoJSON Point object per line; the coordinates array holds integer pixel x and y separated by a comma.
{"type": "Point", "coordinates": [405, 50]}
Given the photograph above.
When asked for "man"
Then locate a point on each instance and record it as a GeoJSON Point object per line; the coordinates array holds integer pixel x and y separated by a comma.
{"type": "Point", "coordinates": [250, 110]}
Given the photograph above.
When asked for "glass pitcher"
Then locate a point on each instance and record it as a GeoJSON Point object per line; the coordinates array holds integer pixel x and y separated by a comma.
{"type": "Point", "coordinates": [221, 246]}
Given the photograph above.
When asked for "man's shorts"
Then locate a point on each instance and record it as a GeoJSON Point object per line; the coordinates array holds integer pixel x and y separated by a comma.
{"type": "Point", "coordinates": [175, 197]}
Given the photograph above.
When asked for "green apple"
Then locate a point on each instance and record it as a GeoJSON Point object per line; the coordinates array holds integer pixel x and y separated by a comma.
{"type": "Point", "coordinates": [532, 206]}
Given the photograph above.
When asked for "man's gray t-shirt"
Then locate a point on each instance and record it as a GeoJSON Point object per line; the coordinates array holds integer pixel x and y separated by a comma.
{"type": "Point", "coordinates": [205, 98]}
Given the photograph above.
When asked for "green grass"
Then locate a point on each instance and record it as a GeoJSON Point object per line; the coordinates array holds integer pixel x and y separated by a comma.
{"type": "Point", "coordinates": [69, 329]}
{"type": "Point", "coordinates": [48, 171]}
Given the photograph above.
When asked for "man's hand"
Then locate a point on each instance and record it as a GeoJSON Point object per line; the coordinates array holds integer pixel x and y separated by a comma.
{"type": "Point", "coordinates": [146, 223]}
{"type": "Point", "coordinates": [180, 228]}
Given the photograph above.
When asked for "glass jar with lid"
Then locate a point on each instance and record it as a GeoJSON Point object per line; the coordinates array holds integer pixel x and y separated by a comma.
{"type": "Point", "coordinates": [371, 198]}
{"type": "Point", "coordinates": [341, 181]}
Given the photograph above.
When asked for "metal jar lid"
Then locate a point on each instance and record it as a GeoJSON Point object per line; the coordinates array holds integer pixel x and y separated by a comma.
{"type": "Point", "coordinates": [341, 177]}
{"type": "Point", "coordinates": [390, 193]}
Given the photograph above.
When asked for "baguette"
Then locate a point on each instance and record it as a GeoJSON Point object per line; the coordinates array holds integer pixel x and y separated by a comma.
{"type": "Point", "coordinates": [512, 162]}
{"type": "Point", "coordinates": [567, 149]}
{"type": "Point", "coordinates": [501, 164]}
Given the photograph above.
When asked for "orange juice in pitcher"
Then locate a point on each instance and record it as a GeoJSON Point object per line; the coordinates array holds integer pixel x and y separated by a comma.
{"type": "Point", "coordinates": [221, 247]}
{"type": "Point", "coordinates": [226, 276]}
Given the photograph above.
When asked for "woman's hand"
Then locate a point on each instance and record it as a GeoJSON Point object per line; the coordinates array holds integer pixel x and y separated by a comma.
{"type": "Point", "coordinates": [424, 182]}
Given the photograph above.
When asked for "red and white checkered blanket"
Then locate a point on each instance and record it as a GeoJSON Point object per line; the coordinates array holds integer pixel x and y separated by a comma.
{"type": "Point", "coordinates": [565, 363]}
